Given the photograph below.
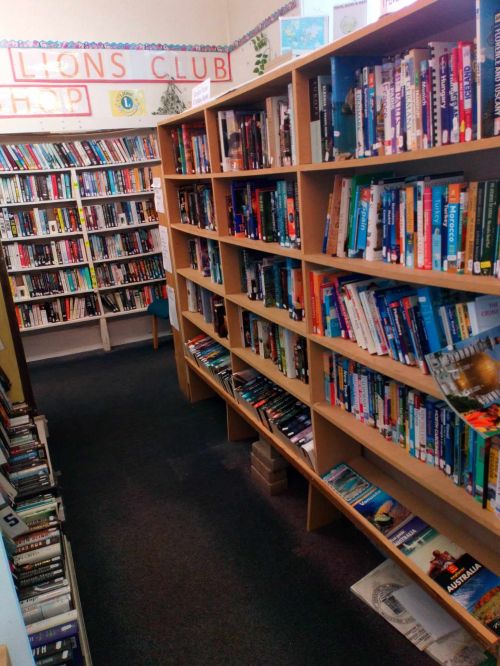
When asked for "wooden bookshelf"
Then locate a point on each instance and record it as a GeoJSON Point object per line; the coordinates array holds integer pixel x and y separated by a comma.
{"type": "Point", "coordinates": [78, 201]}
{"type": "Point", "coordinates": [338, 436]}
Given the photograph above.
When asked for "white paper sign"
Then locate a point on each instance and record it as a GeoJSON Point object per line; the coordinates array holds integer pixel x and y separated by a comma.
{"type": "Point", "coordinates": [158, 192]}
{"type": "Point", "coordinates": [165, 249]}
{"type": "Point", "coordinates": [172, 309]}
{"type": "Point", "coordinates": [426, 611]}
{"type": "Point", "coordinates": [200, 93]}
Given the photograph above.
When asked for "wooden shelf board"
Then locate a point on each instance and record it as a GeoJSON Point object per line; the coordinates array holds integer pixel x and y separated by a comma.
{"type": "Point", "coordinates": [257, 173]}
{"type": "Point", "coordinates": [122, 227]}
{"type": "Point", "coordinates": [406, 374]}
{"type": "Point", "coordinates": [187, 176]}
{"type": "Point", "coordinates": [475, 283]}
{"type": "Point", "coordinates": [51, 267]}
{"type": "Point", "coordinates": [287, 452]}
{"type": "Point", "coordinates": [261, 246]}
{"type": "Point", "coordinates": [82, 320]}
{"type": "Point", "coordinates": [422, 509]}
{"type": "Point", "coordinates": [27, 239]}
{"type": "Point", "coordinates": [194, 231]}
{"type": "Point", "coordinates": [457, 149]}
{"type": "Point", "coordinates": [130, 285]}
{"type": "Point", "coordinates": [123, 195]}
{"type": "Point", "coordinates": [197, 319]}
{"type": "Point", "coordinates": [113, 165]}
{"type": "Point", "coordinates": [276, 315]}
{"type": "Point", "coordinates": [431, 478]}
{"type": "Point", "coordinates": [266, 367]}
{"type": "Point", "coordinates": [126, 257]}
{"type": "Point", "coordinates": [46, 202]}
{"type": "Point", "coordinates": [49, 297]}
{"type": "Point", "coordinates": [112, 315]}
{"type": "Point", "coordinates": [205, 282]}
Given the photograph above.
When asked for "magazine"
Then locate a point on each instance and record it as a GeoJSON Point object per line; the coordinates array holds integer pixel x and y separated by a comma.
{"type": "Point", "coordinates": [469, 377]}
{"type": "Point", "coordinates": [347, 483]}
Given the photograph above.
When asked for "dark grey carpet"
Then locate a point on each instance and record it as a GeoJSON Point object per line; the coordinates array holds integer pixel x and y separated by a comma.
{"type": "Point", "coordinates": [180, 558]}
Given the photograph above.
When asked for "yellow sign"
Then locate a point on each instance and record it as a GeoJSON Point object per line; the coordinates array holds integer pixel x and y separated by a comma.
{"type": "Point", "coordinates": [127, 102]}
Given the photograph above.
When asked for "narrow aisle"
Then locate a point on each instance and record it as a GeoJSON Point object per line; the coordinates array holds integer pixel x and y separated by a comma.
{"type": "Point", "coordinates": [180, 559]}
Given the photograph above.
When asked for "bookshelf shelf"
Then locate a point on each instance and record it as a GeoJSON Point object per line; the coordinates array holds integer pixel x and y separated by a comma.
{"type": "Point", "coordinates": [476, 283]}
{"type": "Point", "coordinates": [433, 479]}
{"type": "Point", "coordinates": [338, 436]}
{"type": "Point", "coordinates": [280, 317]}
{"type": "Point", "coordinates": [205, 282]}
{"type": "Point", "coordinates": [130, 285]}
{"type": "Point", "coordinates": [49, 297]}
{"type": "Point", "coordinates": [266, 367]}
{"type": "Point", "coordinates": [50, 267]}
{"type": "Point", "coordinates": [71, 322]}
{"type": "Point", "coordinates": [125, 257]}
{"type": "Point", "coordinates": [197, 319]}
{"type": "Point", "coordinates": [93, 167]}
{"type": "Point", "coordinates": [123, 227]}
{"type": "Point", "coordinates": [41, 202]}
{"type": "Point", "coordinates": [192, 230]}
{"type": "Point", "coordinates": [406, 374]}
{"type": "Point", "coordinates": [123, 195]}
{"type": "Point", "coordinates": [122, 313]}
{"type": "Point", "coordinates": [28, 239]}
{"type": "Point", "coordinates": [261, 246]}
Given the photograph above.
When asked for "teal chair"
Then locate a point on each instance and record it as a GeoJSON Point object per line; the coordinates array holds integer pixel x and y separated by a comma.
{"type": "Point", "coordinates": [159, 310]}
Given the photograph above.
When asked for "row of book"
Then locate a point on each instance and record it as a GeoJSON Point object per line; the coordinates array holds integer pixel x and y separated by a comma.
{"type": "Point", "coordinates": [26, 189]}
{"type": "Point", "coordinates": [125, 243]}
{"type": "Point", "coordinates": [56, 253]}
{"type": "Point", "coordinates": [251, 139]}
{"type": "Point", "coordinates": [196, 205]}
{"type": "Point", "coordinates": [136, 298]}
{"type": "Point", "coordinates": [208, 304]}
{"type": "Point", "coordinates": [38, 222]}
{"type": "Point", "coordinates": [190, 148]}
{"type": "Point", "coordinates": [385, 317]}
{"type": "Point", "coordinates": [88, 152]}
{"type": "Point", "coordinates": [128, 272]}
{"type": "Point", "coordinates": [69, 308]}
{"type": "Point", "coordinates": [115, 181]}
{"type": "Point", "coordinates": [435, 223]}
{"type": "Point", "coordinates": [204, 256]}
{"type": "Point", "coordinates": [265, 210]}
{"type": "Point", "coordinates": [469, 583]}
{"type": "Point", "coordinates": [426, 427]}
{"type": "Point", "coordinates": [64, 281]}
{"type": "Point", "coordinates": [274, 280]}
{"type": "Point", "coordinates": [285, 348]}
{"type": "Point", "coordinates": [31, 525]}
{"type": "Point", "coordinates": [277, 410]}
{"type": "Point", "coordinates": [212, 357]}
{"type": "Point", "coordinates": [119, 214]}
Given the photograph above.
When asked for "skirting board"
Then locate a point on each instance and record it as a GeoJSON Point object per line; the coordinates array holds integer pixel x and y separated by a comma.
{"type": "Point", "coordinates": [66, 341]}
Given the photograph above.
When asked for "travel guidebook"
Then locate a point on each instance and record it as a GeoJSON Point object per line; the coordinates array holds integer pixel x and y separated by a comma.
{"type": "Point", "coordinates": [347, 483]}
{"type": "Point", "coordinates": [469, 377]}
{"type": "Point", "coordinates": [382, 510]}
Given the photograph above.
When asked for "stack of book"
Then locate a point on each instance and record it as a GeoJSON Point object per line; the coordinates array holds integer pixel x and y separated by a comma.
{"type": "Point", "coordinates": [208, 304]}
{"type": "Point", "coordinates": [275, 281]}
{"type": "Point", "coordinates": [266, 211]}
{"type": "Point", "coordinates": [128, 272]}
{"type": "Point", "coordinates": [251, 139]}
{"type": "Point", "coordinates": [384, 317]}
{"type": "Point", "coordinates": [33, 255]}
{"type": "Point", "coordinates": [38, 222]}
{"type": "Point", "coordinates": [196, 205]}
{"type": "Point", "coordinates": [31, 527]}
{"type": "Point", "coordinates": [119, 214]}
{"type": "Point", "coordinates": [30, 315]}
{"type": "Point", "coordinates": [426, 427]}
{"type": "Point", "coordinates": [435, 223]}
{"type": "Point", "coordinates": [212, 357]}
{"type": "Point", "coordinates": [136, 298]}
{"type": "Point", "coordinates": [67, 154]}
{"type": "Point", "coordinates": [101, 183]}
{"type": "Point", "coordinates": [470, 583]}
{"type": "Point", "coordinates": [26, 189]}
{"type": "Point", "coordinates": [66, 281]}
{"type": "Point", "coordinates": [204, 256]}
{"type": "Point", "coordinates": [285, 348]}
{"type": "Point", "coordinates": [277, 410]}
{"type": "Point", "coordinates": [124, 244]}
{"type": "Point", "coordinates": [190, 148]}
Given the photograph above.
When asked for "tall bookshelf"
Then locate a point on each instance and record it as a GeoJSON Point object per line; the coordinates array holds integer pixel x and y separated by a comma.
{"type": "Point", "coordinates": [338, 436]}
{"type": "Point", "coordinates": [105, 328]}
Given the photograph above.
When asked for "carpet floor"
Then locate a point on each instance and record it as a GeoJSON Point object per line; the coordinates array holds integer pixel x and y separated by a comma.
{"type": "Point", "coordinates": [180, 558]}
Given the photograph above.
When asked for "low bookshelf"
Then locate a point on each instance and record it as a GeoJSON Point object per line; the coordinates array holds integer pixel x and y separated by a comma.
{"type": "Point", "coordinates": [196, 151]}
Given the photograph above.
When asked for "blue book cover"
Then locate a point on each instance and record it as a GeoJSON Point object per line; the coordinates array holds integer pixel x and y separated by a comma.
{"type": "Point", "coordinates": [382, 510]}
{"type": "Point", "coordinates": [409, 531]}
{"type": "Point", "coordinates": [448, 443]}
{"type": "Point", "coordinates": [430, 318]}
{"type": "Point", "coordinates": [486, 11]}
{"type": "Point", "coordinates": [343, 82]}
{"type": "Point", "coordinates": [438, 202]}
{"type": "Point", "coordinates": [347, 483]}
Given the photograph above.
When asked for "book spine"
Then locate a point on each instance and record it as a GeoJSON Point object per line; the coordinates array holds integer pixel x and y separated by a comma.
{"type": "Point", "coordinates": [496, 119]}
